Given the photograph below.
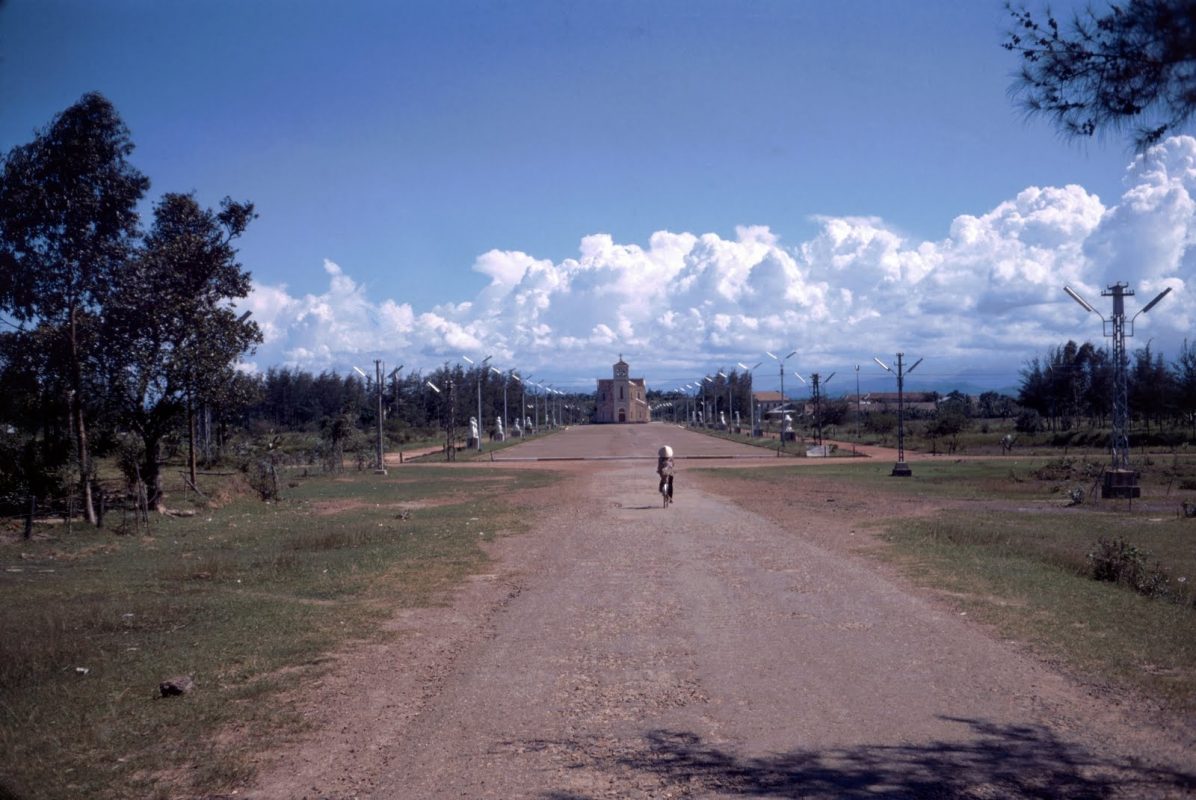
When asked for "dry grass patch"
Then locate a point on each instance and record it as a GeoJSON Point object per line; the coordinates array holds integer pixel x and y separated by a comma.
{"type": "Point", "coordinates": [246, 599]}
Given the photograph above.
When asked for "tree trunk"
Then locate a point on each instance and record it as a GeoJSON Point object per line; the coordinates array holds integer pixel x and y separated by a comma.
{"type": "Point", "coordinates": [191, 439]}
{"type": "Point", "coordinates": [80, 430]}
{"type": "Point", "coordinates": [151, 475]}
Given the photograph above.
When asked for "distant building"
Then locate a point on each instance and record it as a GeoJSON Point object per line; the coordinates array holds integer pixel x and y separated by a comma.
{"type": "Point", "coordinates": [770, 402]}
{"type": "Point", "coordinates": [887, 401]}
{"type": "Point", "coordinates": [621, 399]}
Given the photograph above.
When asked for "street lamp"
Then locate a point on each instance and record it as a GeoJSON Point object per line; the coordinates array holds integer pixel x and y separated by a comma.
{"type": "Point", "coordinates": [505, 380]}
{"type": "Point", "coordinates": [481, 371]}
{"type": "Point", "coordinates": [450, 424]}
{"type": "Point", "coordinates": [781, 363]}
{"type": "Point", "coordinates": [1120, 480]}
{"type": "Point", "coordinates": [900, 469]}
{"type": "Point", "coordinates": [816, 392]}
{"type": "Point", "coordinates": [542, 399]}
{"type": "Point", "coordinates": [523, 407]}
{"type": "Point", "coordinates": [857, 407]}
{"type": "Point", "coordinates": [752, 392]}
{"type": "Point", "coordinates": [522, 400]}
{"type": "Point", "coordinates": [705, 403]}
{"type": "Point", "coordinates": [730, 414]}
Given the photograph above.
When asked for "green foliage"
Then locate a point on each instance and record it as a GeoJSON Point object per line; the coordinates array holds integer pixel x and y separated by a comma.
{"type": "Point", "coordinates": [1133, 64]}
{"type": "Point", "coordinates": [171, 337]}
{"type": "Point", "coordinates": [1118, 561]}
{"type": "Point", "coordinates": [68, 226]}
{"type": "Point", "coordinates": [1029, 421]}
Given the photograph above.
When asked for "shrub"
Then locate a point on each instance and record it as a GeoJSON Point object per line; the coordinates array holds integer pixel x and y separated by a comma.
{"type": "Point", "coordinates": [1029, 421]}
{"type": "Point", "coordinates": [1118, 561]}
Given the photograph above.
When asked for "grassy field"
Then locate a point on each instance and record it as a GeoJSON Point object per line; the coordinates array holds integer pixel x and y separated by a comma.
{"type": "Point", "coordinates": [1008, 549]}
{"type": "Point", "coordinates": [238, 597]}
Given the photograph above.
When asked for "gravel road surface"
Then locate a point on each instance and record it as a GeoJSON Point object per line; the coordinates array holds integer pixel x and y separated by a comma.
{"type": "Point", "coordinates": [624, 650]}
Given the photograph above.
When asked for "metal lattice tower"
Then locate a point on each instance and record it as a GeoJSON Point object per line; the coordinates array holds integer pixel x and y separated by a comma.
{"type": "Point", "coordinates": [900, 469]}
{"type": "Point", "coordinates": [1115, 328]}
{"type": "Point", "coordinates": [1120, 480]}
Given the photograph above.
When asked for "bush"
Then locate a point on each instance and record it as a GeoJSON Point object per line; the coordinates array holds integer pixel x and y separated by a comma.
{"type": "Point", "coordinates": [1029, 421]}
{"type": "Point", "coordinates": [1118, 561]}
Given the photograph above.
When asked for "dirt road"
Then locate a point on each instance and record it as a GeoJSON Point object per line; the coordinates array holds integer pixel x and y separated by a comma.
{"type": "Point", "coordinates": [623, 650]}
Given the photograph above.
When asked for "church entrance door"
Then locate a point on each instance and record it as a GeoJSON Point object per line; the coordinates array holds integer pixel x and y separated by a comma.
{"type": "Point", "coordinates": [622, 415]}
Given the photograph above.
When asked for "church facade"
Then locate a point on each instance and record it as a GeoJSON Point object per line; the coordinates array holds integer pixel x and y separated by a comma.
{"type": "Point", "coordinates": [621, 398]}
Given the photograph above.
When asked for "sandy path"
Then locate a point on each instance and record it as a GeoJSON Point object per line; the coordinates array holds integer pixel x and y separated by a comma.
{"type": "Point", "coordinates": [621, 650]}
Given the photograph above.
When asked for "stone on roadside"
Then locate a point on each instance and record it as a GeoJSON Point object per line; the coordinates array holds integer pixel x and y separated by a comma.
{"type": "Point", "coordinates": [179, 684]}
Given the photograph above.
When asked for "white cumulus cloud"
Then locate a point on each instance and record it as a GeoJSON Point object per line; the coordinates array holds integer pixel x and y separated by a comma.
{"type": "Point", "coordinates": [988, 294]}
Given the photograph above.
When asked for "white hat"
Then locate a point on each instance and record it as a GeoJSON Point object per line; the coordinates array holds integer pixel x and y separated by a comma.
{"type": "Point", "coordinates": [665, 452]}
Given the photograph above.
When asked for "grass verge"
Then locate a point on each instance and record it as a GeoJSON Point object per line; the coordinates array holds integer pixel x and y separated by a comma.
{"type": "Point", "coordinates": [237, 597]}
{"type": "Point", "coordinates": [1029, 577]}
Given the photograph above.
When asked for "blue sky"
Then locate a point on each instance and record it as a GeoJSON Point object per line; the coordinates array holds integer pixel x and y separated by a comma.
{"type": "Point", "coordinates": [447, 178]}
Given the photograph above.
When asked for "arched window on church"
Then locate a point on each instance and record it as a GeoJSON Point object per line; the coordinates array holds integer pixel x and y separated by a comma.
{"type": "Point", "coordinates": [620, 392]}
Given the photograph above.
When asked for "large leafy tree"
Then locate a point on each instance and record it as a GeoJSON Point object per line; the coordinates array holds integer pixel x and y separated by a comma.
{"type": "Point", "coordinates": [68, 223]}
{"type": "Point", "coordinates": [1132, 66]}
{"type": "Point", "coordinates": [173, 337]}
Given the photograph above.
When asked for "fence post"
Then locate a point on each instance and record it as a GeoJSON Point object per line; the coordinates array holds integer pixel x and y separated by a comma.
{"type": "Point", "coordinates": [29, 516]}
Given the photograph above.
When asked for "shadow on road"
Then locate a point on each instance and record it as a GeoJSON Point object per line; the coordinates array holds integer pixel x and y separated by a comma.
{"type": "Point", "coordinates": [1007, 761]}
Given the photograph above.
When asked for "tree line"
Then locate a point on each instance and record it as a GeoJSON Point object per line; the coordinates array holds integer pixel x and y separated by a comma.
{"type": "Point", "coordinates": [110, 329]}
{"type": "Point", "coordinates": [1072, 385]}
{"type": "Point", "coordinates": [118, 335]}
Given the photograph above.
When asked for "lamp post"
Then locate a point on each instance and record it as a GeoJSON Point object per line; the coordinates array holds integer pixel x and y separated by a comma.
{"type": "Point", "coordinates": [380, 463]}
{"type": "Point", "coordinates": [781, 363]}
{"type": "Point", "coordinates": [522, 398]}
{"type": "Point", "coordinates": [379, 467]}
{"type": "Point", "coordinates": [730, 414]}
{"type": "Point", "coordinates": [523, 411]}
{"type": "Point", "coordinates": [706, 403]}
{"type": "Point", "coordinates": [752, 392]}
{"type": "Point", "coordinates": [450, 426]}
{"type": "Point", "coordinates": [857, 407]}
{"type": "Point", "coordinates": [1120, 480]}
{"type": "Point", "coordinates": [394, 390]}
{"type": "Point", "coordinates": [816, 391]}
{"type": "Point", "coordinates": [506, 378]}
{"type": "Point", "coordinates": [797, 375]}
{"type": "Point", "coordinates": [481, 371]}
{"type": "Point", "coordinates": [900, 469]}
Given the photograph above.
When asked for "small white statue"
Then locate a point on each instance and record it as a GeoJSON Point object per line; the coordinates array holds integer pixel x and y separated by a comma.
{"type": "Point", "coordinates": [527, 423]}
{"type": "Point", "coordinates": [498, 431]}
{"type": "Point", "coordinates": [722, 419]}
{"type": "Point", "coordinates": [787, 426]}
{"type": "Point", "coordinates": [517, 429]}
{"type": "Point", "coordinates": [736, 419]}
{"type": "Point", "coordinates": [473, 428]}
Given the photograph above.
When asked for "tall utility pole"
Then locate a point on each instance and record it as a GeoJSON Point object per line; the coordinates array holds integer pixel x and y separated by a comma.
{"type": "Point", "coordinates": [1120, 480]}
{"type": "Point", "coordinates": [379, 459]}
{"type": "Point", "coordinates": [900, 469]}
{"type": "Point", "coordinates": [781, 363]}
{"type": "Point", "coordinates": [394, 390]}
{"type": "Point", "coordinates": [857, 406]}
{"type": "Point", "coordinates": [730, 416]}
{"type": "Point", "coordinates": [816, 393]}
{"type": "Point", "coordinates": [506, 378]}
{"type": "Point", "coordinates": [449, 417]}
{"type": "Point", "coordinates": [481, 372]}
{"type": "Point", "coordinates": [523, 402]}
{"type": "Point", "coordinates": [752, 392]}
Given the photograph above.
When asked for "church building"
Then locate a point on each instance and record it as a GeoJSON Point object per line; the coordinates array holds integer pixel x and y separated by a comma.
{"type": "Point", "coordinates": [621, 399]}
